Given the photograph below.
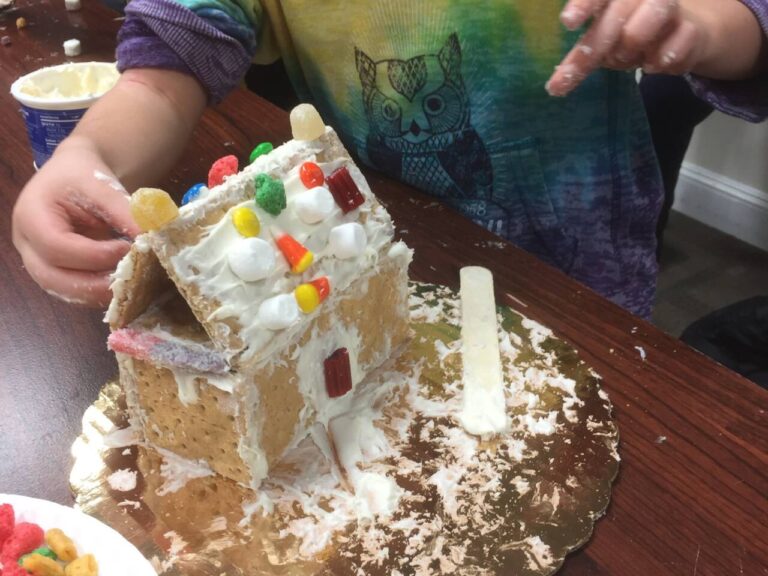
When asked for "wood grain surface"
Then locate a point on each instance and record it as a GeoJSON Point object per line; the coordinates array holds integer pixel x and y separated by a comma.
{"type": "Point", "coordinates": [691, 495]}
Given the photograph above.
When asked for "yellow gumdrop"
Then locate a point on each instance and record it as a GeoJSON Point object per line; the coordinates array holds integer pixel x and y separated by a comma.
{"type": "Point", "coordinates": [152, 208]}
{"type": "Point", "coordinates": [83, 566]}
{"type": "Point", "coordinates": [246, 222]}
{"type": "Point", "coordinates": [40, 565]}
{"type": "Point", "coordinates": [61, 544]}
{"type": "Point", "coordinates": [307, 297]}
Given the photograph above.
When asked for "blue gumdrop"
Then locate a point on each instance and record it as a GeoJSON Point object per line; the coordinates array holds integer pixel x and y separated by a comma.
{"type": "Point", "coordinates": [192, 193]}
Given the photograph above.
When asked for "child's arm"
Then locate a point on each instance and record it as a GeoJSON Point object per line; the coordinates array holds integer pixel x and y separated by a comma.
{"type": "Point", "coordinates": [720, 39]}
{"type": "Point", "coordinates": [71, 220]}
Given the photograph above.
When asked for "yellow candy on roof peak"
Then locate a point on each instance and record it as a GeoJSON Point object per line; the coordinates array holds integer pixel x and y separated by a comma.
{"type": "Point", "coordinates": [152, 208]}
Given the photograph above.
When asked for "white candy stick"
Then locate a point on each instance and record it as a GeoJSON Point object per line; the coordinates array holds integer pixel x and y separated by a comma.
{"type": "Point", "coordinates": [484, 411]}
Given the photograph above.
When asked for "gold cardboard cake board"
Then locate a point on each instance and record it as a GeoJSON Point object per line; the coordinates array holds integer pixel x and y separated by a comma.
{"type": "Point", "coordinates": [516, 505]}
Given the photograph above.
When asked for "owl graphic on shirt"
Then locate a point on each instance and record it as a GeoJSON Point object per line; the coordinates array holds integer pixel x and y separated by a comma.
{"type": "Point", "coordinates": [418, 112]}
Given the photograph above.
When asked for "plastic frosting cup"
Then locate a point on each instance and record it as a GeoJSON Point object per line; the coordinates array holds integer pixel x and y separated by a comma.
{"type": "Point", "coordinates": [54, 99]}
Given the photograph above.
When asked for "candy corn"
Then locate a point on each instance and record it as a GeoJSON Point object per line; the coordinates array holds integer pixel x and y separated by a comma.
{"type": "Point", "coordinates": [297, 255]}
{"type": "Point", "coordinates": [310, 295]}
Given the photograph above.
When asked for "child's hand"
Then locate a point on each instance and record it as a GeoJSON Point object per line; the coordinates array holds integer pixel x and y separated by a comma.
{"type": "Point", "coordinates": [657, 35]}
{"type": "Point", "coordinates": [71, 225]}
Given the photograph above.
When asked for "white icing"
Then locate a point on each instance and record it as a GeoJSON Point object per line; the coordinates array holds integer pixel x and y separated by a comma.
{"type": "Point", "coordinates": [110, 181]}
{"type": "Point", "coordinates": [251, 259]}
{"type": "Point", "coordinates": [539, 554]}
{"type": "Point", "coordinates": [177, 543]}
{"type": "Point", "coordinates": [521, 485]}
{"type": "Point", "coordinates": [545, 426]}
{"type": "Point", "coordinates": [262, 505]}
{"type": "Point", "coordinates": [279, 312]}
{"type": "Point", "coordinates": [400, 250]}
{"type": "Point", "coordinates": [446, 480]}
{"type": "Point", "coordinates": [314, 205]}
{"type": "Point", "coordinates": [123, 480]}
{"type": "Point", "coordinates": [187, 384]}
{"type": "Point", "coordinates": [218, 524]}
{"type": "Point", "coordinates": [358, 440]}
{"type": "Point", "coordinates": [67, 82]}
{"type": "Point", "coordinates": [376, 495]}
{"type": "Point", "coordinates": [121, 437]}
{"type": "Point", "coordinates": [177, 471]}
{"type": "Point", "coordinates": [120, 278]}
{"type": "Point", "coordinates": [347, 241]}
{"type": "Point", "coordinates": [484, 411]}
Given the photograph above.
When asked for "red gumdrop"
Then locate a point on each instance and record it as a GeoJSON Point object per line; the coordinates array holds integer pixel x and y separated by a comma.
{"type": "Point", "coordinates": [344, 190]}
{"type": "Point", "coordinates": [25, 538]}
{"type": "Point", "coordinates": [225, 166]}
{"type": "Point", "coordinates": [7, 522]}
{"type": "Point", "coordinates": [311, 175]}
{"type": "Point", "coordinates": [338, 373]}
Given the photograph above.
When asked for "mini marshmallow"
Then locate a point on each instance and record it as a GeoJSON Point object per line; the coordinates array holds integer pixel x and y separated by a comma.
{"type": "Point", "coordinates": [72, 5]}
{"type": "Point", "coordinates": [251, 259]}
{"type": "Point", "coordinates": [314, 205]}
{"type": "Point", "coordinates": [279, 312]}
{"type": "Point", "coordinates": [72, 47]}
{"type": "Point", "coordinates": [347, 240]}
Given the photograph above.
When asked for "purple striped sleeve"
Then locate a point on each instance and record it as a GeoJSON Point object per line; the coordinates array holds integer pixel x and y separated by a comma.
{"type": "Point", "coordinates": [164, 34]}
{"type": "Point", "coordinates": [746, 99]}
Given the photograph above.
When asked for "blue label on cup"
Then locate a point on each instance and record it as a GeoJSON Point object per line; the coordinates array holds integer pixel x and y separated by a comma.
{"type": "Point", "coordinates": [46, 128]}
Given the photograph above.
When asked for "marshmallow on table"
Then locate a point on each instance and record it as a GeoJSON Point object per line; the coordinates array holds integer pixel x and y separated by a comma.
{"type": "Point", "coordinates": [279, 312]}
{"type": "Point", "coordinates": [347, 240]}
{"type": "Point", "coordinates": [314, 205]}
{"type": "Point", "coordinates": [251, 259]}
{"type": "Point", "coordinates": [72, 47]}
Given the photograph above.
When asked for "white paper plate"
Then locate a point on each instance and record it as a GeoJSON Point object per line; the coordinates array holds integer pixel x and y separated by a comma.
{"type": "Point", "coordinates": [115, 555]}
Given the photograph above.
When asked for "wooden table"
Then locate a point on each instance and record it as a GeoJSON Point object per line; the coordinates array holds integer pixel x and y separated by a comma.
{"type": "Point", "coordinates": [691, 495]}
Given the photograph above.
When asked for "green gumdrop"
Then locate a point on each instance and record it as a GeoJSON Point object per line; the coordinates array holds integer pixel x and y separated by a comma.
{"type": "Point", "coordinates": [270, 194]}
{"type": "Point", "coordinates": [260, 150]}
{"type": "Point", "coordinates": [44, 551]}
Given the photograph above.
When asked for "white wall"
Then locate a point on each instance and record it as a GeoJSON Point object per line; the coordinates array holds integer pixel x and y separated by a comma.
{"type": "Point", "coordinates": [724, 181]}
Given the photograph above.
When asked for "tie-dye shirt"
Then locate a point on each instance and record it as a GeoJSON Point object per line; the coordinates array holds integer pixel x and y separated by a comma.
{"type": "Point", "coordinates": [448, 95]}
